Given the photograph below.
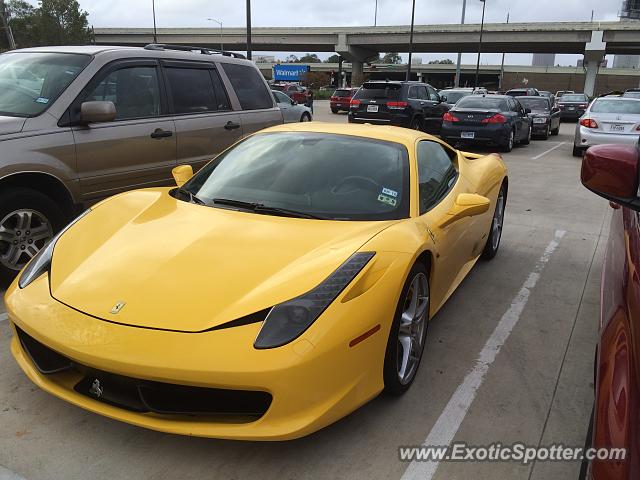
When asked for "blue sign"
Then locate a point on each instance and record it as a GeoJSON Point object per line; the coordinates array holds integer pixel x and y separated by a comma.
{"type": "Point", "coordinates": [290, 73]}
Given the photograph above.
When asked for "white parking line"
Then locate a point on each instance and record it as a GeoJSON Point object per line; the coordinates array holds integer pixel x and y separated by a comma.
{"type": "Point", "coordinates": [3, 317]}
{"type": "Point", "coordinates": [455, 411]}
{"type": "Point", "coordinates": [548, 151]}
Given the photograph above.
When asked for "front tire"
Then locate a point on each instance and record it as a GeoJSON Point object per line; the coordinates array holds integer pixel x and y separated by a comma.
{"type": "Point", "coordinates": [495, 234]}
{"type": "Point", "coordinates": [527, 139]}
{"type": "Point", "coordinates": [28, 220]}
{"type": "Point", "coordinates": [306, 117]}
{"type": "Point", "coordinates": [408, 333]}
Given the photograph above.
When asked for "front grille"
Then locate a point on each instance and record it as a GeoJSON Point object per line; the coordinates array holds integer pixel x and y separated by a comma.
{"type": "Point", "coordinates": [147, 396]}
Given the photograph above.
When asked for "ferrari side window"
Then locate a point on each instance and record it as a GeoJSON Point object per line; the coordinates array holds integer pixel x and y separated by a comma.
{"type": "Point", "coordinates": [436, 174]}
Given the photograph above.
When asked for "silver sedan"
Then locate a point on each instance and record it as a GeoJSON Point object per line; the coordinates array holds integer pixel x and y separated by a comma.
{"type": "Point", "coordinates": [608, 120]}
{"type": "Point", "coordinates": [291, 110]}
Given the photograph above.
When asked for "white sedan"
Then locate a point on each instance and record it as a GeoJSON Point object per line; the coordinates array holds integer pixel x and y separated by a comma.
{"type": "Point", "coordinates": [608, 120]}
{"type": "Point", "coordinates": [291, 110]}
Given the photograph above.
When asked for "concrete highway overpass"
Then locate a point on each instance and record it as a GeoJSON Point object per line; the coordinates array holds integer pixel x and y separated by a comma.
{"type": "Point", "coordinates": [359, 44]}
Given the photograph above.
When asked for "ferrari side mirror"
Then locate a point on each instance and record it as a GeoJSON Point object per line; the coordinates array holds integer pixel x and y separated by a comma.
{"type": "Point", "coordinates": [182, 174]}
{"type": "Point", "coordinates": [466, 205]}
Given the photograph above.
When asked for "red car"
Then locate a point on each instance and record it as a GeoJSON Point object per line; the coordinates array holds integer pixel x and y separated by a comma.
{"type": "Point", "coordinates": [296, 92]}
{"type": "Point", "coordinates": [612, 171]}
{"type": "Point", "coordinates": [341, 99]}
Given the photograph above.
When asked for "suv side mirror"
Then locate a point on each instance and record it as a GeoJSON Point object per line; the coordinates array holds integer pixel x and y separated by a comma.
{"type": "Point", "coordinates": [611, 171]}
{"type": "Point", "coordinates": [97, 112]}
{"type": "Point", "coordinates": [443, 98]}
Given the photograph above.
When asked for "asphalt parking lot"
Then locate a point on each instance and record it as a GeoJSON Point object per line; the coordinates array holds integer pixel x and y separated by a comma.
{"type": "Point", "coordinates": [508, 359]}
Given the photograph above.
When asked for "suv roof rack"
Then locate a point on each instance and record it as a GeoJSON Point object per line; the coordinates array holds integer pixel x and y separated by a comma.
{"type": "Point", "coordinates": [189, 48]}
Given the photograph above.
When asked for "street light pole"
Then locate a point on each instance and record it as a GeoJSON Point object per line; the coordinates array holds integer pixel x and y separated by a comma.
{"type": "Point", "coordinates": [375, 16]}
{"type": "Point", "coordinates": [249, 29]}
{"type": "Point", "coordinates": [219, 23]}
{"type": "Point", "coordinates": [458, 66]}
{"type": "Point", "coordinates": [502, 64]}
{"type": "Point", "coordinates": [413, 15]}
{"type": "Point", "coordinates": [155, 32]}
{"type": "Point", "coordinates": [484, 4]}
{"type": "Point", "coordinates": [4, 18]}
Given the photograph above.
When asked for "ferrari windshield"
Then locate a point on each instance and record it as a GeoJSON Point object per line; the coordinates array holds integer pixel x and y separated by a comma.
{"type": "Point", "coordinates": [30, 82]}
{"type": "Point", "coordinates": [329, 176]}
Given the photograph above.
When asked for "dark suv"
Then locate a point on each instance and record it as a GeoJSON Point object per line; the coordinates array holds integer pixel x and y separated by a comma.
{"type": "Point", "coordinates": [405, 104]}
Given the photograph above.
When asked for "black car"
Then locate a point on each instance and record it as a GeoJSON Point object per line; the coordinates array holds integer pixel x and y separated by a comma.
{"type": "Point", "coordinates": [545, 116]}
{"type": "Point", "coordinates": [572, 105]}
{"type": "Point", "coordinates": [406, 104]}
{"type": "Point", "coordinates": [489, 120]}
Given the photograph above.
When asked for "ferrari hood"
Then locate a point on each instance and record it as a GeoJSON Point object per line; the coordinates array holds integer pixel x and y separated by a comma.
{"type": "Point", "coordinates": [146, 259]}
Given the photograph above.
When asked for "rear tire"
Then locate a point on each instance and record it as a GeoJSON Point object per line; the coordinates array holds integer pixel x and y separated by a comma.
{"type": "Point", "coordinates": [556, 131]}
{"type": "Point", "coordinates": [507, 147]}
{"type": "Point", "coordinates": [495, 232]}
{"type": "Point", "coordinates": [408, 333]}
{"type": "Point", "coordinates": [577, 151]}
{"type": "Point", "coordinates": [28, 220]}
{"type": "Point", "coordinates": [334, 110]}
{"type": "Point", "coordinates": [416, 124]}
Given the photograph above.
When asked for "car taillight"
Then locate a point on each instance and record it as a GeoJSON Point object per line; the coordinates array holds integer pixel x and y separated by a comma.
{"type": "Point", "coordinates": [589, 123]}
{"type": "Point", "coordinates": [354, 103]}
{"type": "Point", "coordinates": [334, 99]}
{"type": "Point", "coordinates": [447, 117]}
{"type": "Point", "coordinates": [497, 118]}
{"type": "Point", "coordinates": [397, 105]}
{"type": "Point", "coordinates": [583, 106]}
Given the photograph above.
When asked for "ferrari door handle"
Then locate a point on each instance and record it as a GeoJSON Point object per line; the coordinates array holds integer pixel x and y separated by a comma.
{"type": "Point", "coordinates": [231, 125]}
{"type": "Point", "coordinates": [159, 133]}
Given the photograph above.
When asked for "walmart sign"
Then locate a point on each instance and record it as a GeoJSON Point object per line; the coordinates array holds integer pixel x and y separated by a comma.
{"type": "Point", "coordinates": [291, 73]}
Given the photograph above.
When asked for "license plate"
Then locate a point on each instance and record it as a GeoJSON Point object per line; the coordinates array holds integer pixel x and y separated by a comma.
{"type": "Point", "coordinates": [617, 128]}
{"type": "Point", "coordinates": [470, 135]}
{"type": "Point", "coordinates": [340, 105]}
{"type": "Point", "coordinates": [572, 108]}
{"type": "Point", "coordinates": [372, 108]}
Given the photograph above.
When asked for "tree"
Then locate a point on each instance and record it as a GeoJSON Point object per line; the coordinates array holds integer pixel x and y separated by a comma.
{"type": "Point", "coordinates": [446, 61]}
{"type": "Point", "coordinates": [291, 59]}
{"type": "Point", "coordinates": [392, 57]}
{"type": "Point", "coordinates": [53, 22]}
{"type": "Point", "coordinates": [310, 58]}
{"type": "Point", "coordinates": [335, 58]}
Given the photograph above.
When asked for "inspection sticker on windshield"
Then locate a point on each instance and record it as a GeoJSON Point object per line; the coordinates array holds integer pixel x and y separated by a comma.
{"type": "Point", "coordinates": [388, 200]}
{"type": "Point", "coordinates": [388, 191]}
{"type": "Point", "coordinates": [42, 100]}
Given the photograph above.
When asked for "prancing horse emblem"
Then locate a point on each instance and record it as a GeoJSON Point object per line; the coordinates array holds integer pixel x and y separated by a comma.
{"type": "Point", "coordinates": [96, 389]}
{"type": "Point", "coordinates": [117, 307]}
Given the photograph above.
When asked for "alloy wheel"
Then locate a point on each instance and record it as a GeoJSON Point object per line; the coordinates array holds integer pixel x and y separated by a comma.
{"type": "Point", "coordinates": [23, 233]}
{"type": "Point", "coordinates": [498, 219]}
{"type": "Point", "coordinates": [413, 322]}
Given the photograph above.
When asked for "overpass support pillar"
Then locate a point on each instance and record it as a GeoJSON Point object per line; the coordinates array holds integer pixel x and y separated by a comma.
{"type": "Point", "coordinates": [594, 54]}
{"type": "Point", "coordinates": [358, 56]}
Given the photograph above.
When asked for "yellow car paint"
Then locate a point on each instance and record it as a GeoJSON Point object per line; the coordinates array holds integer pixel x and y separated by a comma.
{"type": "Point", "coordinates": [181, 269]}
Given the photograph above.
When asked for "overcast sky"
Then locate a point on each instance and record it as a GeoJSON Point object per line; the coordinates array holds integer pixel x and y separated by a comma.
{"type": "Point", "coordinates": [297, 13]}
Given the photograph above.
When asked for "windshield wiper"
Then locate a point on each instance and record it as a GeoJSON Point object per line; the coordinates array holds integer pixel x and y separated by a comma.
{"type": "Point", "coordinates": [192, 198]}
{"type": "Point", "coordinates": [261, 208]}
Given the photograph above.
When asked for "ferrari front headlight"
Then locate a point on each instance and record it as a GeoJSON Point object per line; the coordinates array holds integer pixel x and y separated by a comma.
{"type": "Point", "coordinates": [287, 321]}
{"type": "Point", "coordinates": [42, 261]}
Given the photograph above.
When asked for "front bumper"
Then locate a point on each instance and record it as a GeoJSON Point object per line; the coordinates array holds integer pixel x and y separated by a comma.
{"type": "Point", "coordinates": [490, 134]}
{"type": "Point", "coordinates": [313, 381]}
{"type": "Point", "coordinates": [587, 137]}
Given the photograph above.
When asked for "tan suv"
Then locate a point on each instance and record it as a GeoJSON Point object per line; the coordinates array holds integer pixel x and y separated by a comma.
{"type": "Point", "coordinates": [78, 124]}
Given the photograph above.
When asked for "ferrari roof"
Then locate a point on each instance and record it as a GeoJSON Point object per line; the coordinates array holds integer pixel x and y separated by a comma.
{"type": "Point", "coordinates": [378, 132]}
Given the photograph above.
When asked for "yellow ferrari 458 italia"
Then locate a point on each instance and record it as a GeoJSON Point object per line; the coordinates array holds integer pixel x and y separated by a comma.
{"type": "Point", "coordinates": [281, 287]}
